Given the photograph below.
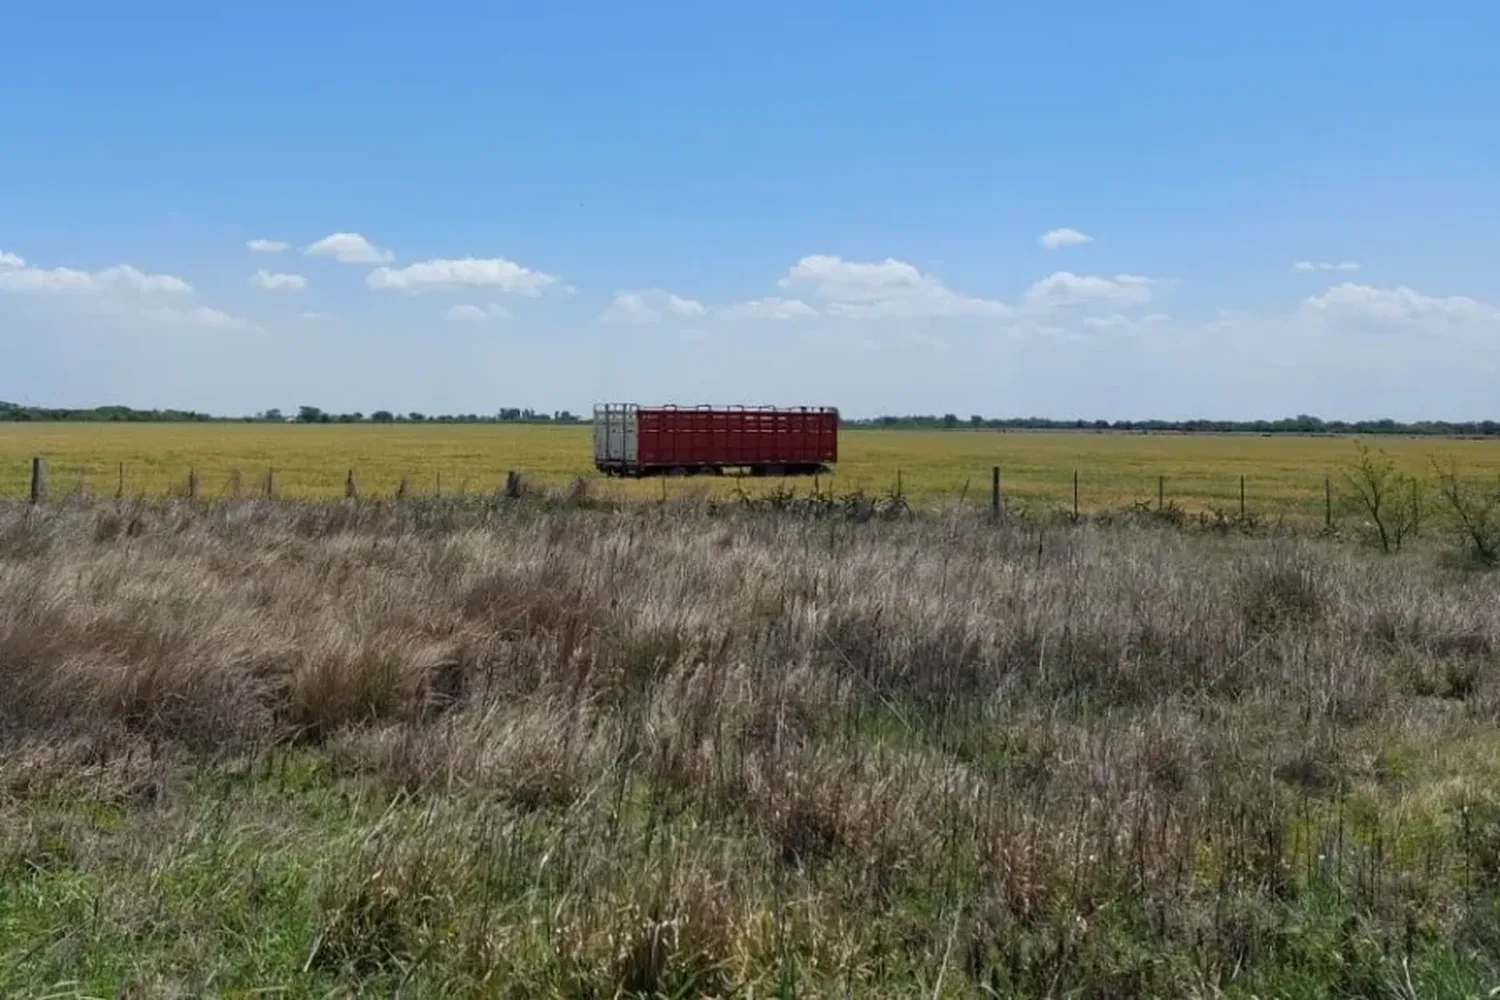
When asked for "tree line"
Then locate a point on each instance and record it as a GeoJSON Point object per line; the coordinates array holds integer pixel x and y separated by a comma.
{"type": "Point", "coordinates": [505, 415]}
{"type": "Point", "coordinates": [15, 412]}
{"type": "Point", "coordinates": [1302, 424]}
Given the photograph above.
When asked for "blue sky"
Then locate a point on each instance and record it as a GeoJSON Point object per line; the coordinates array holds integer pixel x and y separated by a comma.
{"type": "Point", "coordinates": [836, 203]}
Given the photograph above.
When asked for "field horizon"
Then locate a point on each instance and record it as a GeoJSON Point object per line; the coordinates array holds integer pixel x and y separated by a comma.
{"type": "Point", "coordinates": [1284, 475]}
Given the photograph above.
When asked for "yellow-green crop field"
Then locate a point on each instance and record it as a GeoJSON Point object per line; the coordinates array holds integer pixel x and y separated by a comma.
{"type": "Point", "coordinates": [1283, 475]}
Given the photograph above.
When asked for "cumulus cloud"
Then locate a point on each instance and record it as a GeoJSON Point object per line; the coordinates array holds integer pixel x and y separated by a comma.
{"type": "Point", "coordinates": [1397, 305]}
{"type": "Point", "coordinates": [266, 246]}
{"type": "Point", "coordinates": [1322, 265]}
{"type": "Point", "coordinates": [200, 316]}
{"type": "Point", "coordinates": [278, 282]}
{"type": "Point", "coordinates": [650, 305]}
{"type": "Point", "coordinates": [769, 308]}
{"type": "Point", "coordinates": [894, 289]}
{"type": "Point", "coordinates": [1065, 289]}
{"type": "Point", "coordinates": [1055, 239]}
{"type": "Point", "coordinates": [348, 248]}
{"type": "Point", "coordinates": [1120, 323]}
{"type": "Point", "coordinates": [475, 314]}
{"type": "Point", "coordinates": [17, 276]}
{"type": "Point", "coordinates": [880, 289]}
{"type": "Point", "coordinates": [495, 272]}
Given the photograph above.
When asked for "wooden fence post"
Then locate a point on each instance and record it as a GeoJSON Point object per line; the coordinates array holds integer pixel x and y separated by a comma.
{"type": "Point", "coordinates": [512, 484]}
{"type": "Point", "coordinates": [995, 492]}
{"type": "Point", "coordinates": [120, 489]}
{"type": "Point", "coordinates": [1161, 493]}
{"type": "Point", "coordinates": [401, 489]}
{"type": "Point", "coordinates": [1075, 494]}
{"type": "Point", "coordinates": [192, 486]}
{"type": "Point", "coordinates": [351, 488]}
{"type": "Point", "coordinates": [270, 482]}
{"type": "Point", "coordinates": [439, 484]}
{"type": "Point", "coordinates": [1327, 503]}
{"type": "Point", "coordinates": [38, 480]}
{"type": "Point", "coordinates": [1242, 498]}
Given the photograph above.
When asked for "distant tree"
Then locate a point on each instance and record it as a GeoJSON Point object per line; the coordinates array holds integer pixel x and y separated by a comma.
{"type": "Point", "coordinates": [273, 415]}
{"type": "Point", "coordinates": [310, 415]}
{"type": "Point", "coordinates": [382, 417]}
{"type": "Point", "coordinates": [416, 417]}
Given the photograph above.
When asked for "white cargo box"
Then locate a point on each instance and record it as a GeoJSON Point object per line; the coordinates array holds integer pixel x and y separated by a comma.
{"type": "Point", "coordinates": [616, 435]}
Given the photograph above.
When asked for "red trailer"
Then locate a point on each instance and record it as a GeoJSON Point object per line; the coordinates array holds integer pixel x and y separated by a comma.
{"type": "Point", "coordinates": [631, 440]}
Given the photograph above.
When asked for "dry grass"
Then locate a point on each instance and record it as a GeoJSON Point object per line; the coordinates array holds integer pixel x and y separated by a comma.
{"type": "Point", "coordinates": [528, 750]}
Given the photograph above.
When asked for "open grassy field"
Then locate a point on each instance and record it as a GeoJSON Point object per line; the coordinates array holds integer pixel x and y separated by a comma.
{"type": "Point", "coordinates": [276, 749]}
{"type": "Point", "coordinates": [1284, 475]}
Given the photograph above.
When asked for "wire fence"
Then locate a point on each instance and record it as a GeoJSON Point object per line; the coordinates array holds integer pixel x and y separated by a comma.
{"type": "Point", "coordinates": [1078, 491]}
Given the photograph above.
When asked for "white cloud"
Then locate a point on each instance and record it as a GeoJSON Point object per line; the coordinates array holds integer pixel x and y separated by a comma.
{"type": "Point", "coordinates": [278, 282]}
{"type": "Point", "coordinates": [1397, 305]}
{"type": "Point", "coordinates": [316, 316]}
{"type": "Point", "coordinates": [1064, 289]}
{"type": "Point", "coordinates": [475, 314]}
{"type": "Point", "coordinates": [650, 305]}
{"type": "Point", "coordinates": [200, 316]}
{"type": "Point", "coordinates": [1321, 265]}
{"type": "Point", "coordinates": [465, 314]}
{"type": "Point", "coordinates": [1125, 324]}
{"type": "Point", "coordinates": [496, 272]}
{"type": "Point", "coordinates": [770, 308]}
{"type": "Point", "coordinates": [266, 246]}
{"type": "Point", "coordinates": [879, 289]}
{"type": "Point", "coordinates": [1055, 239]}
{"type": "Point", "coordinates": [16, 276]}
{"type": "Point", "coordinates": [348, 248]}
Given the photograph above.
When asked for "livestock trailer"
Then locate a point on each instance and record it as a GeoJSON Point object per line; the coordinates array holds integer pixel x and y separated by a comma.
{"type": "Point", "coordinates": [631, 440]}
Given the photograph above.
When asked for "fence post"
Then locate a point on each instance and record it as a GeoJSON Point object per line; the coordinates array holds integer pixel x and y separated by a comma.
{"type": "Point", "coordinates": [1161, 493]}
{"type": "Point", "coordinates": [192, 483]}
{"type": "Point", "coordinates": [995, 492]}
{"type": "Point", "coordinates": [120, 489]}
{"type": "Point", "coordinates": [439, 484]}
{"type": "Point", "coordinates": [1242, 498]}
{"type": "Point", "coordinates": [38, 480]}
{"type": "Point", "coordinates": [1075, 494]}
{"type": "Point", "coordinates": [351, 488]}
{"type": "Point", "coordinates": [898, 484]}
{"type": "Point", "coordinates": [270, 482]}
{"type": "Point", "coordinates": [401, 489]}
{"type": "Point", "coordinates": [1327, 503]}
{"type": "Point", "coordinates": [512, 484]}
